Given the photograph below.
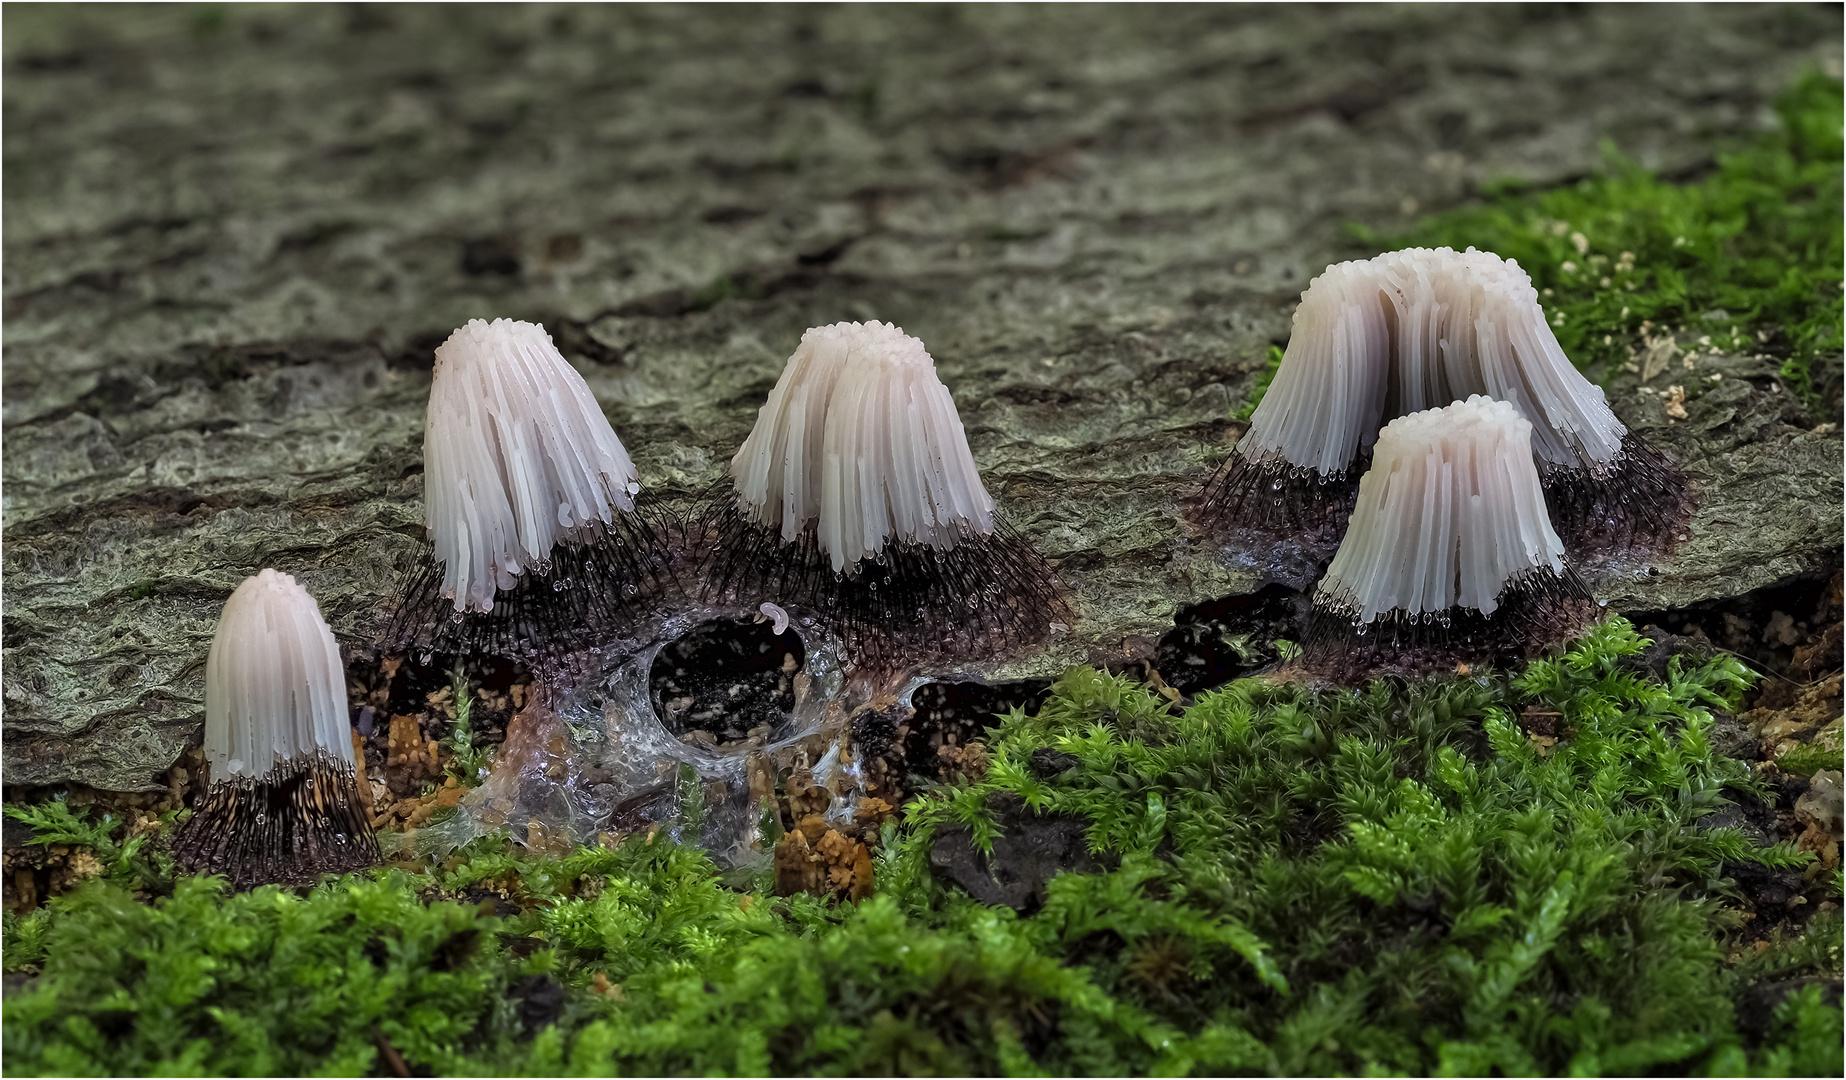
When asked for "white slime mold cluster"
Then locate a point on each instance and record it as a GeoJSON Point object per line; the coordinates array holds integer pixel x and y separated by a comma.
{"type": "Point", "coordinates": [1450, 512]}
{"type": "Point", "coordinates": [1418, 329]}
{"type": "Point", "coordinates": [860, 434]}
{"type": "Point", "coordinates": [275, 690]}
{"type": "Point", "coordinates": [517, 457]}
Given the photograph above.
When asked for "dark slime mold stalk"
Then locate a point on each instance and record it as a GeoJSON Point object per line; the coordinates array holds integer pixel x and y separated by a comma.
{"type": "Point", "coordinates": [303, 820]}
{"type": "Point", "coordinates": [593, 587]}
{"type": "Point", "coordinates": [1535, 611]}
{"type": "Point", "coordinates": [908, 604]}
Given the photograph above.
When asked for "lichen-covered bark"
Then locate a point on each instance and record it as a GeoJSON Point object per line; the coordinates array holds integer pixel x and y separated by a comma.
{"type": "Point", "coordinates": [234, 235]}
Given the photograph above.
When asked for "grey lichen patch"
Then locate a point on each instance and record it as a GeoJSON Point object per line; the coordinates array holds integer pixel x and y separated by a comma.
{"type": "Point", "coordinates": [229, 255]}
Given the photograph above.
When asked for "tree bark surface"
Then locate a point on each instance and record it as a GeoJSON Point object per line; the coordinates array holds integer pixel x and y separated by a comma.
{"type": "Point", "coordinates": [234, 235]}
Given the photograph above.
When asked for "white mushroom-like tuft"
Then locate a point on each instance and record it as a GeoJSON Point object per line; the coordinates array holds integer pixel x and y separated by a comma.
{"type": "Point", "coordinates": [275, 690]}
{"type": "Point", "coordinates": [1450, 512]}
{"type": "Point", "coordinates": [283, 805]}
{"type": "Point", "coordinates": [1417, 329]}
{"type": "Point", "coordinates": [860, 434]}
{"type": "Point", "coordinates": [1449, 555]}
{"type": "Point", "coordinates": [517, 458]}
{"type": "Point", "coordinates": [856, 498]}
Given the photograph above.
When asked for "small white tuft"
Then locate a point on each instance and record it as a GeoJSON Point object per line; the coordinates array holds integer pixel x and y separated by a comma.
{"type": "Point", "coordinates": [860, 434]}
{"type": "Point", "coordinates": [1450, 512]}
{"type": "Point", "coordinates": [1418, 329]}
{"type": "Point", "coordinates": [517, 456]}
{"type": "Point", "coordinates": [275, 690]}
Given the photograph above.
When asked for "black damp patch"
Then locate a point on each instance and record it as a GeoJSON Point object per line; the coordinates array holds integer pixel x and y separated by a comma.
{"type": "Point", "coordinates": [727, 682]}
{"type": "Point", "coordinates": [1229, 638]}
{"type": "Point", "coordinates": [302, 821]}
{"type": "Point", "coordinates": [1260, 502]}
{"type": "Point", "coordinates": [902, 750]}
{"type": "Point", "coordinates": [958, 713]}
{"type": "Point", "coordinates": [595, 592]}
{"type": "Point", "coordinates": [538, 1002]}
{"type": "Point", "coordinates": [491, 256]}
{"type": "Point", "coordinates": [1765, 626]}
{"type": "Point", "coordinates": [1756, 1006]}
{"type": "Point", "coordinates": [1537, 611]}
{"type": "Point", "coordinates": [909, 605]}
{"type": "Point", "coordinates": [1640, 505]}
{"type": "Point", "coordinates": [1049, 764]}
{"type": "Point", "coordinates": [1031, 849]}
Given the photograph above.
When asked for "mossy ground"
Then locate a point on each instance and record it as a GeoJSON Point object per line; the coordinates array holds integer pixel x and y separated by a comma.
{"type": "Point", "coordinates": [1398, 880]}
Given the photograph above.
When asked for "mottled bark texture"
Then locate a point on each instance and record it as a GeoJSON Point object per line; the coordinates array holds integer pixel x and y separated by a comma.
{"type": "Point", "coordinates": [234, 235]}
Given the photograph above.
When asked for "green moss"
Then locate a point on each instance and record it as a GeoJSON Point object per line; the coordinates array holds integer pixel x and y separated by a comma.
{"type": "Point", "coordinates": [1749, 255]}
{"type": "Point", "coordinates": [1809, 758]}
{"type": "Point", "coordinates": [258, 984]}
{"type": "Point", "coordinates": [1272, 362]}
{"type": "Point", "coordinates": [467, 758]}
{"type": "Point", "coordinates": [126, 860]}
{"type": "Point", "coordinates": [1394, 880]}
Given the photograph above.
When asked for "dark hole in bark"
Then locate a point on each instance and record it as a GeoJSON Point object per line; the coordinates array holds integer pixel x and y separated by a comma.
{"type": "Point", "coordinates": [1781, 628]}
{"type": "Point", "coordinates": [1220, 640]}
{"type": "Point", "coordinates": [727, 681]}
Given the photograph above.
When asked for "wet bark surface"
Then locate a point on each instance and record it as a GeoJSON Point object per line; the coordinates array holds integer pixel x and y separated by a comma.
{"type": "Point", "coordinates": [233, 237]}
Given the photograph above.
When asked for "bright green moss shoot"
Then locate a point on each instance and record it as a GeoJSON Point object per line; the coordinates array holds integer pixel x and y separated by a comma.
{"type": "Point", "coordinates": [1308, 882]}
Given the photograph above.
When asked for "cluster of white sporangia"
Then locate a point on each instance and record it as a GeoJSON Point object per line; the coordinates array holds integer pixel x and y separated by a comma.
{"type": "Point", "coordinates": [275, 690]}
{"type": "Point", "coordinates": [1418, 329]}
{"type": "Point", "coordinates": [517, 457]}
{"type": "Point", "coordinates": [861, 434]}
{"type": "Point", "coordinates": [1450, 511]}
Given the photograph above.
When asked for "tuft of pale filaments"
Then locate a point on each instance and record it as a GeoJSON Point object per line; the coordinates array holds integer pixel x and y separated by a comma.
{"type": "Point", "coordinates": [518, 457]}
{"type": "Point", "coordinates": [860, 435]}
{"type": "Point", "coordinates": [1450, 543]}
{"type": "Point", "coordinates": [1449, 512]}
{"type": "Point", "coordinates": [856, 498]}
{"type": "Point", "coordinates": [1418, 329]}
{"type": "Point", "coordinates": [275, 690]}
{"type": "Point", "coordinates": [778, 468]}
{"type": "Point", "coordinates": [283, 804]}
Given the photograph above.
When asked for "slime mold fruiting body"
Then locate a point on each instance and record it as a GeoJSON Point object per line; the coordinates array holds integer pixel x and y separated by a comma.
{"type": "Point", "coordinates": [1418, 329]}
{"type": "Point", "coordinates": [283, 805]}
{"type": "Point", "coordinates": [530, 501]}
{"type": "Point", "coordinates": [1450, 555]}
{"type": "Point", "coordinates": [856, 498]}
